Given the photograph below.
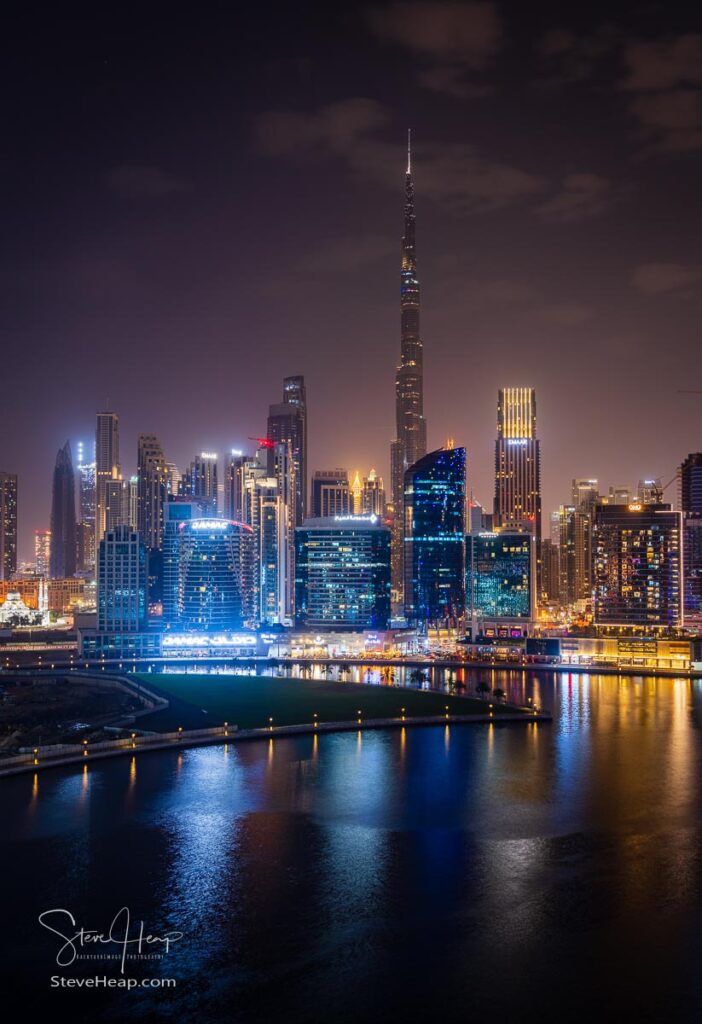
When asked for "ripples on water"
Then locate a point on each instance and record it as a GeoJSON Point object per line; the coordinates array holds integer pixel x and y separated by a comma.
{"type": "Point", "coordinates": [485, 869]}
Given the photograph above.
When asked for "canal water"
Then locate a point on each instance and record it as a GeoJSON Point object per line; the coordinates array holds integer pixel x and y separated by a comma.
{"type": "Point", "coordinates": [514, 872]}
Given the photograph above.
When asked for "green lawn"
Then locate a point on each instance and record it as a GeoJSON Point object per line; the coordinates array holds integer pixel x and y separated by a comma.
{"type": "Point", "coordinates": [249, 701]}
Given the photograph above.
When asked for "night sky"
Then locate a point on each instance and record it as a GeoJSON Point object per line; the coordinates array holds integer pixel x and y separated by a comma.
{"type": "Point", "coordinates": [198, 200]}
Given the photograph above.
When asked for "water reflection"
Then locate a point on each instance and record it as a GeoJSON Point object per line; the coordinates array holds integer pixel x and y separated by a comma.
{"type": "Point", "coordinates": [485, 861]}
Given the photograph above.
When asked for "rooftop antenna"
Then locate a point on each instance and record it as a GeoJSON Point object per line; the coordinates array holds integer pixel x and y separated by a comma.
{"type": "Point", "coordinates": [409, 150]}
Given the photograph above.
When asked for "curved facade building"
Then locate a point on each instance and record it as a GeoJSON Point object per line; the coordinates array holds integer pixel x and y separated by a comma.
{"type": "Point", "coordinates": [215, 565]}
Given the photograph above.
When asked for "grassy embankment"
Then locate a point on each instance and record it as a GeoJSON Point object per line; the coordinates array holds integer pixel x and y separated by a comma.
{"type": "Point", "coordinates": [198, 701]}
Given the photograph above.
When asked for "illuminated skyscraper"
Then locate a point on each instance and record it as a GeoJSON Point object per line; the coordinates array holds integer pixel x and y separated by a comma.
{"type": "Point", "coordinates": [373, 495]}
{"type": "Point", "coordinates": [133, 502]}
{"type": "Point", "coordinates": [690, 483]}
{"type": "Point", "coordinates": [8, 525]}
{"type": "Point", "coordinates": [106, 465]}
{"type": "Point", "coordinates": [434, 562]}
{"type": "Point", "coordinates": [567, 559]}
{"type": "Point", "coordinates": [650, 491]}
{"type": "Point", "coordinates": [342, 573]}
{"type": "Point", "coordinates": [200, 482]}
{"type": "Point", "coordinates": [152, 490]}
{"type": "Point", "coordinates": [585, 497]}
{"type": "Point", "coordinates": [517, 462]}
{"type": "Point", "coordinates": [215, 559]}
{"type": "Point", "coordinates": [122, 581]}
{"type": "Point", "coordinates": [269, 502]}
{"type": "Point", "coordinates": [42, 552]}
{"type": "Point", "coordinates": [690, 501]}
{"type": "Point", "coordinates": [331, 494]}
{"type": "Point", "coordinates": [287, 421]}
{"type": "Point", "coordinates": [62, 562]}
{"type": "Point", "coordinates": [550, 571]}
{"type": "Point", "coordinates": [356, 494]}
{"type": "Point", "coordinates": [86, 512]}
{"type": "Point", "coordinates": [637, 570]}
{"type": "Point", "coordinates": [410, 442]}
{"type": "Point", "coordinates": [234, 464]}
{"type": "Point", "coordinates": [116, 503]}
{"type": "Point", "coordinates": [501, 575]}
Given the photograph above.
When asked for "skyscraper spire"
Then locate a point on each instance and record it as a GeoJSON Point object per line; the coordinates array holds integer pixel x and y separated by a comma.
{"type": "Point", "coordinates": [410, 442]}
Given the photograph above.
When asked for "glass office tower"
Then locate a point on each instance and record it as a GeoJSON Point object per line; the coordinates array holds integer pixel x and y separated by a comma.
{"type": "Point", "coordinates": [215, 573]}
{"type": "Point", "coordinates": [500, 575]}
{"type": "Point", "coordinates": [342, 573]}
{"type": "Point", "coordinates": [122, 581]}
{"type": "Point", "coordinates": [434, 504]}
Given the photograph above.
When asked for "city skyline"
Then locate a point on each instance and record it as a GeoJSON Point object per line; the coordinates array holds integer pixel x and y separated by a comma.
{"type": "Point", "coordinates": [157, 254]}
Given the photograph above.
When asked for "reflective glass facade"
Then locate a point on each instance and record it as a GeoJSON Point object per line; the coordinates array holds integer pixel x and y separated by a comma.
{"type": "Point", "coordinates": [499, 573]}
{"type": "Point", "coordinates": [214, 560]}
{"type": "Point", "coordinates": [342, 574]}
{"type": "Point", "coordinates": [434, 508]}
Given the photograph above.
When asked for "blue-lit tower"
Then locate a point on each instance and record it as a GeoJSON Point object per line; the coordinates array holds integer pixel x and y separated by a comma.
{"type": "Point", "coordinates": [434, 538]}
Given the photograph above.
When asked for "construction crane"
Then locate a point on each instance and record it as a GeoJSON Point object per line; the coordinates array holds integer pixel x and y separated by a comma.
{"type": "Point", "coordinates": [658, 492]}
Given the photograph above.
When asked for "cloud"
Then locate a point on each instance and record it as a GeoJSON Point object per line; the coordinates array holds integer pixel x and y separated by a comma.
{"type": "Point", "coordinates": [567, 57]}
{"type": "Point", "coordinates": [334, 128]}
{"type": "Point", "coordinates": [581, 196]}
{"type": "Point", "coordinates": [659, 278]}
{"type": "Point", "coordinates": [143, 181]}
{"type": "Point", "coordinates": [452, 81]}
{"type": "Point", "coordinates": [661, 65]}
{"type": "Point", "coordinates": [455, 175]}
{"type": "Point", "coordinates": [347, 255]}
{"type": "Point", "coordinates": [452, 41]}
{"type": "Point", "coordinates": [665, 76]}
{"type": "Point", "coordinates": [563, 314]}
{"type": "Point", "coordinates": [672, 120]}
{"type": "Point", "coordinates": [468, 33]}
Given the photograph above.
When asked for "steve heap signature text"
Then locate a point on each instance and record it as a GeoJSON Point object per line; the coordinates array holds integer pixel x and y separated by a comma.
{"type": "Point", "coordinates": [129, 938]}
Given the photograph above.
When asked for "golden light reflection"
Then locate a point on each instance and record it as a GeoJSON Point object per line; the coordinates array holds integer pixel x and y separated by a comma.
{"type": "Point", "coordinates": [447, 738]}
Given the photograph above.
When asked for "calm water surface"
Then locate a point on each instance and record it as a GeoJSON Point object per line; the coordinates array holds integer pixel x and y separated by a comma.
{"type": "Point", "coordinates": [448, 874]}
